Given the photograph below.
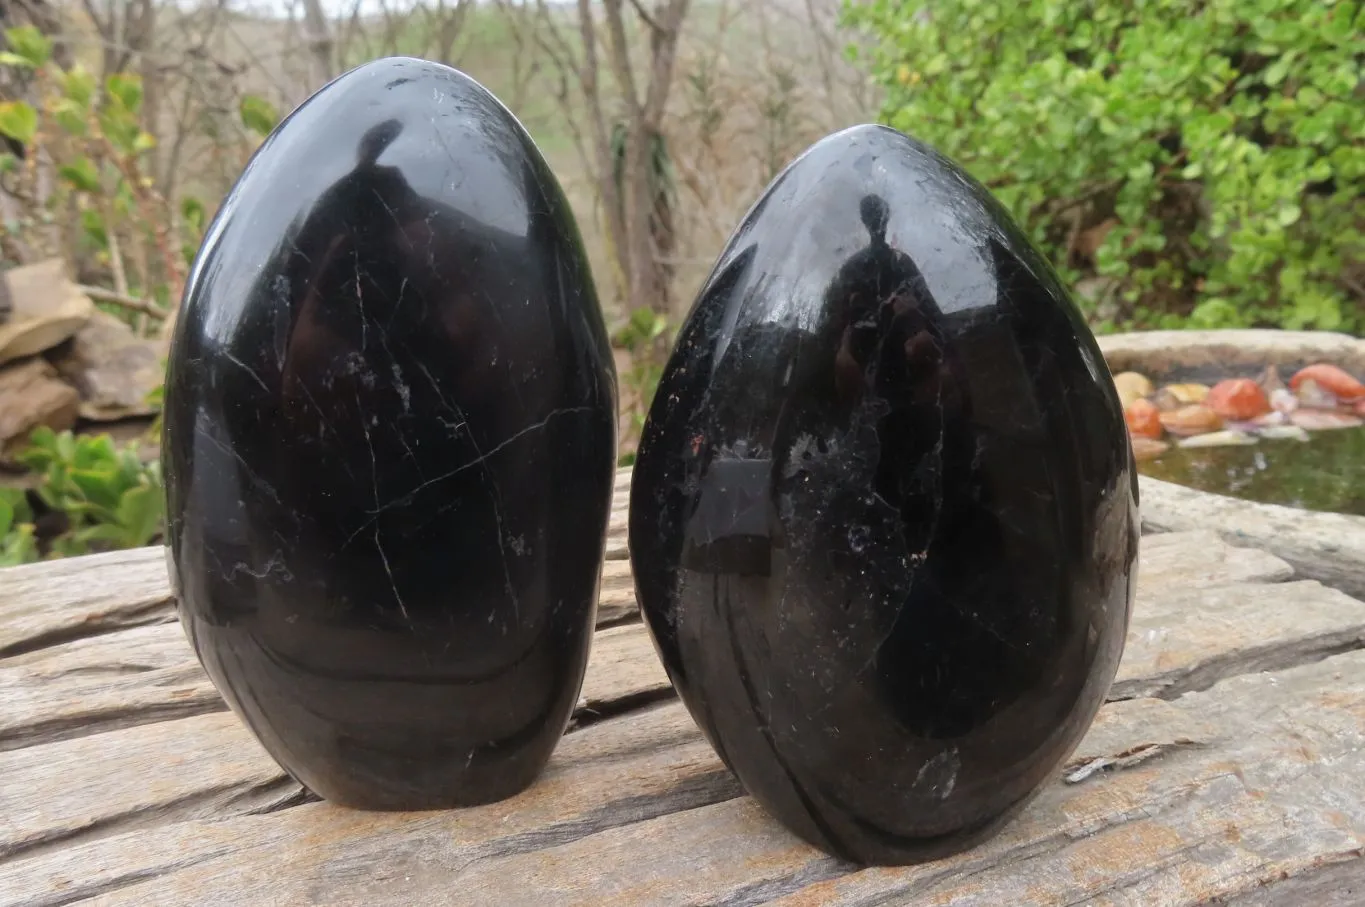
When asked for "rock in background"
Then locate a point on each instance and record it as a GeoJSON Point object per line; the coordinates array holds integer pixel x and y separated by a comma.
{"type": "Point", "coordinates": [113, 369]}
{"type": "Point", "coordinates": [32, 395]}
{"type": "Point", "coordinates": [47, 309]}
{"type": "Point", "coordinates": [62, 360]}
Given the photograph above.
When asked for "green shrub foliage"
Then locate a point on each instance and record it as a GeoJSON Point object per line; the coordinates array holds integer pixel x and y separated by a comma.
{"type": "Point", "coordinates": [95, 496]}
{"type": "Point", "coordinates": [1183, 162]}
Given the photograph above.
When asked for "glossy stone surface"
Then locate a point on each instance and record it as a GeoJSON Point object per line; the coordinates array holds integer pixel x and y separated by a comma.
{"type": "Point", "coordinates": [884, 514]}
{"type": "Point", "coordinates": [390, 444]}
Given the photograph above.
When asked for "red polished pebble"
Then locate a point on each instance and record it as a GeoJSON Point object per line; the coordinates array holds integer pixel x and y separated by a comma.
{"type": "Point", "coordinates": [1330, 378]}
{"type": "Point", "coordinates": [1238, 400]}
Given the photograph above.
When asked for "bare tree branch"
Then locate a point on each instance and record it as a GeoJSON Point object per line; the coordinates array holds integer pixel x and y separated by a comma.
{"type": "Point", "coordinates": [131, 303]}
{"type": "Point", "coordinates": [644, 15]}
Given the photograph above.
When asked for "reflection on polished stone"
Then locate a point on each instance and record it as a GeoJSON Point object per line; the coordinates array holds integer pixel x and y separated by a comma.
{"type": "Point", "coordinates": [884, 515]}
{"type": "Point", "coordinates": [390, 445]}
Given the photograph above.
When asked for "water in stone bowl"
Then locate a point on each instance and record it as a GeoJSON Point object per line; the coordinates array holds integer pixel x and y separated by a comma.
{"type": "Point", "coordinates": [1299, 442]}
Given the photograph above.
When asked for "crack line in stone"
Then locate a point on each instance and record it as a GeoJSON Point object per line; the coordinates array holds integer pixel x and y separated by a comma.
{"type": "Point", "coordinates": [393, 584]}
{"type": "Point", "coordinates": [244, 367]}
{"type": "Point", "coordinates": [478, 460]}
{"type": "Point", "coordinates": [251, 473]}
{"type": "Point", "coordinates": [359, 297]}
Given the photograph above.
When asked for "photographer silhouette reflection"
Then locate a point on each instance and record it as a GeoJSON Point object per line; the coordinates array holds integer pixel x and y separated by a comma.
{"type": "Point", "coordinates": [394, 448]}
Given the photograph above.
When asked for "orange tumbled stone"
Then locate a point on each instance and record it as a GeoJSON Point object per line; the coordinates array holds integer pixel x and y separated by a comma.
{"type": "Point", "coordinates": [1147, 448]}
{"type": "Point", "coordinates": [1196, 419]}
{"type": "Point", "coordinates": [1330, 378]}
{"type": "Point", "coordinates": [1238, 399]}
{"type": "Point", "coordinates": [1144, 419]}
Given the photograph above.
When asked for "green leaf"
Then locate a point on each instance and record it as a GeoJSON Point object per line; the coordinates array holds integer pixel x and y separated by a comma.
{"type": "Point", "coordinates": [258, 114]}
{"type": "Point", "coordinates": [94, 450]}
{"type": "Point", "coordinates": [192, 210]}
{"type": "Point", "coordinates": [126, 89]}
{"type": "Point", "coordinates": [141, 513]}
{"type": "Point", "coordinates": [98, 487]}
{"type": "Point", "coordinates": [1276, 72]}
{"type": "Point", "coordinates": [8, 163]}
{"type": "Point", "coordinates": [9, 58]}
{"type": "Point", "coordinates": [112, 533]}
{"type": "Point", "coordinates": [82, 174]}
{"type": "Point", "coordinates": [70, 116]}
{"type": "Point", "coordinates": [18, 546]}
{"type": "Point", "coordinates": [29, 44]}
{"type": "Point", "coordinates": [19, 121]}
{"type": "Point", "coordinates": [65, 446]}
{"type": "Point", "coordinates": [145, 141]}
{"type": "Point", "coordinates": [121, 128]}
{"type": "Point", "coordinates": [78, 84]}
{"type": "Point", "coordinates": [93, 226]}
{"type": "Point", "coordinates": [43, 439]}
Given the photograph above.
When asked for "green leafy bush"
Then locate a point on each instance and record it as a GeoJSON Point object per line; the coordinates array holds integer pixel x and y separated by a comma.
{"type": "Point", "coordinates": [646, 336]}
{"type": "Point", "coordinates": [93, 133]}
{"type": "Point", "coordinates": [102, 497]}
{"type": "Point", "coordinates": [1203, 161]}
{"type": "Point", "coordinates": [17, 544]}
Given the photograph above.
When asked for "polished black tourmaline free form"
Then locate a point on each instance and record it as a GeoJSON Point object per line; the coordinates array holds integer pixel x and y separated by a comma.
{"type": "Point", "coordinates": [389, 445]}
{"type": "Point", "coordinates": [884, 515]}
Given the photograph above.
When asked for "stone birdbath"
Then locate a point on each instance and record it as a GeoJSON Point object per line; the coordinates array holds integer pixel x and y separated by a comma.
{"type": "Point", "coordinates": [1236, 411]}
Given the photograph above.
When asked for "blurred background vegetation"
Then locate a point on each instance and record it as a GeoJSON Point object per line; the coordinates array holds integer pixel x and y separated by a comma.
{"type": "Point", "coordinates": [1184, 163]}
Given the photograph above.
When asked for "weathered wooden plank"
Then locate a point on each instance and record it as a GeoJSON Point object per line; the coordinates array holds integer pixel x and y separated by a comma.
{"type": "Point", "coordinates": [201, 767]}
{"type": "Point", "coordinates": [1187, 639]}
{"type": "Point", "coordinates": [55, 601]}
{"type": "Point", "coordinates": [1259, 779]}
{"type": "Point", "coordinates": [623, 673]}
{"type": "Point", "coordinates": [1328, 885]}
{"type": "Point", "coordinates": [1200, 558]}
{"type": "Point", "coordinates": [1328, 547]}
{"type": "Point", "coordinates": [658, 761]}
{"type": "Point", "coordinates": [100, 684]}
{"type": "Point", "coordinates": [616, 598]}
{"type": "Point", "coordinates": [58, 601]}
{"type": "Point", "coordinates": [210, 765]}
{"type": "Point", "coordinates": [150, 674]}
{"type": "Point", "coordinates": [1275, 793]}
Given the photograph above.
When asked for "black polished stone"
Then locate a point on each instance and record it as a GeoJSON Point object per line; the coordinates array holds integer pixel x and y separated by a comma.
{"type": "Point", "coordinates": [884, 514]}
{"type": "Point", "coordinates": [390, 444]}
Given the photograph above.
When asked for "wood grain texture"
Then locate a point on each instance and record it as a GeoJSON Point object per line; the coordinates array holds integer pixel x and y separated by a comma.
{"type": "Point", "coordinates": [101, 684]}
{"type": "Point", "coordinates": [147, 776]}
{"type": "Point", "coordinates": [150, 674]}
{"type": "Point", "coordinates": [1259, 779]}
{"type": "Point", "coordinates": [145, 673]}
{"type": "Point", "coordinates": [210, 765]}
{"type": "Point", "coordinates": [55, 601]}
{"type": "Point", "coordinates": [1328, 547]}
{"type": "Point", "coordinates": [1187, 639]}
{"type": "Point", "coordinates": [52, 602]}
{"type": "Point", "coordinates": [121, 785]}
{"type": "Point", "coordinates": [74, 680]}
